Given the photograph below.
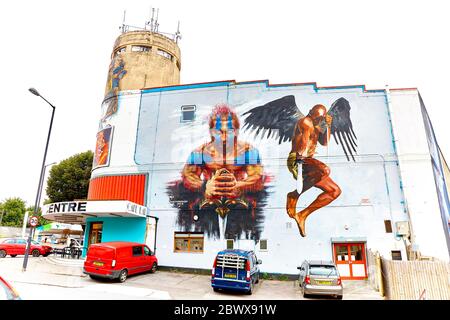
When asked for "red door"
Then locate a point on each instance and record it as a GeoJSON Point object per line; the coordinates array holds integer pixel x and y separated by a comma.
{"type": "Point", "coordinates": [350, 259]}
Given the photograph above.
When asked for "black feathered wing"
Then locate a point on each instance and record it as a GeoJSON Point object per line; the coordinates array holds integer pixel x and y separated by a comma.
{"type": "Point", "coordinates": [342, 127]}
{"type": "Point", "coordinates": [277, 117]}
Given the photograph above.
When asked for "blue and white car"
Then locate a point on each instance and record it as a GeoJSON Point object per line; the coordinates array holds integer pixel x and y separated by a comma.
{"type": "Point", "coordinates": [235, 270]}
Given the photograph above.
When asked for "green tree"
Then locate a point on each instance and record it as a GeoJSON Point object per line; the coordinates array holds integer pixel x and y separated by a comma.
{"type": "Point", "coordinates": [69, 179]}
{"type": "Point", "coordinates": [13, 210]}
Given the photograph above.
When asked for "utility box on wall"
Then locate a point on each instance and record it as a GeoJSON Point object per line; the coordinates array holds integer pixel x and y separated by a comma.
{"type": "Point", "coordinates": [402, 228]}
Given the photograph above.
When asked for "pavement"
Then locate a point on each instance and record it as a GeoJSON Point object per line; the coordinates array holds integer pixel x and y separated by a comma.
{"type": "Point", "coordinates": [48, 278]}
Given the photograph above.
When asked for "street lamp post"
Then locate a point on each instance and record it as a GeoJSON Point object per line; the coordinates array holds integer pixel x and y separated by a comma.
{"type": "Point", "coordinates": [42, 182]}
{"type": "Point", "coordinates": [41, 178]}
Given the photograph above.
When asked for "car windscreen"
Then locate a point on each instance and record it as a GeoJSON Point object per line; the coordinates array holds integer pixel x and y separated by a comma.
{"type": "Point", "coordinates": [35, 242]}
{"type": "Point", "coordinates": [321, 270]}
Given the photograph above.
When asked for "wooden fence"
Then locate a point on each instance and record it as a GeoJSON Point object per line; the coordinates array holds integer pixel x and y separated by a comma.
{"type": "Point", "coordinates": [410, 280]}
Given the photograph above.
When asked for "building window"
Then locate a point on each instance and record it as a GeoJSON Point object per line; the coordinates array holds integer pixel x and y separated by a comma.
{"type": "Point", "coordinates": [388, 226]}
{"type": "Point", "coordinates": [165, 54]}
{"type": "Point", "coordinates": [263, 245]}
{"type": "Point", "coordinates": [120, 50]}
{"type": "Point", "coordinates": [396, 255]}
{"type": "Point", "coordinates": [141, 49]}
{"type": "Point", "coordinates": [187, 113]}
{"type": "Point", "coordinates": [230, 244]}
{"type": "Point", "coordinates": [188, 242]}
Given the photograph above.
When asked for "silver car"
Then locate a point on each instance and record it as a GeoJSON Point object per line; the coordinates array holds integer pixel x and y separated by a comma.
{"type": "Point", "coordinates": [320, 278]}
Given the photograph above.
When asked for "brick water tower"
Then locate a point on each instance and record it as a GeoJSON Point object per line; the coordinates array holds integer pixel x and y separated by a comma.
{"type": "Point", "coordinates": [142, 58]}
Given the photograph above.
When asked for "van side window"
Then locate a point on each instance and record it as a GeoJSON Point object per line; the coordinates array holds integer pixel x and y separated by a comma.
{"type": "Point", "coordinates": [137, 251]}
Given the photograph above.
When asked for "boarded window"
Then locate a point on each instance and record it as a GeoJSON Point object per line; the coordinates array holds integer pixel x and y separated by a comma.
{"type": "Point", "coordinates": [120, 50]}
{"type": "Point", "coordinates": [188, 242]}
{"type": "Point", "coordinates": [230, 244]}
{"type": "Point", "coordinates": [165, 54]}
{"type": "Point", "coordinates": [187, 113]}
{"type": "Point", "coordinates": [141, 49]}
{"type": "Point", "coordinates": [396, 255]}
{"type": "Point", "coordinates": [262, 244]}
{"type": "Point", "coordinates": [388, 226]}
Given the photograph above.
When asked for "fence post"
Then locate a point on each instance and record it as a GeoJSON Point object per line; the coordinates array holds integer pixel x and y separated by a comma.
{"type": "Point", "coordinates": [379, 274]}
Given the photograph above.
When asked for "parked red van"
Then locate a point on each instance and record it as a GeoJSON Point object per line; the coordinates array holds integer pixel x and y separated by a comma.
{"type": "Point", "coordinates": [118, 260]}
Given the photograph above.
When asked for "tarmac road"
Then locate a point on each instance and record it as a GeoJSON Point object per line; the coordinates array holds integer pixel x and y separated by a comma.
{"type": "Point", "coordinates": [46, 280]}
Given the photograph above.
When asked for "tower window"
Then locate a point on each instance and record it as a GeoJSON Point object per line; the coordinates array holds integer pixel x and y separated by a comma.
{"type": "Point", "coordinates": [120, 50]}
{"type": "Point", "coordinates": [165, 54]}
{"type": "Point", "coordinates": [187, 113]}
{"type": "Point", "coordinates": [140, 48]}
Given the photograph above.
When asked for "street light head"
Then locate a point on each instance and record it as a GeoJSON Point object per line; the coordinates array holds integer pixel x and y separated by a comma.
{"type": "Point", "coordinates": [34, 91]}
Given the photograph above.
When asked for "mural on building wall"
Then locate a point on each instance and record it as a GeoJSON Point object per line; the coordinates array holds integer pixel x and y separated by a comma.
{"type": "Point", "coordinates": [102, 148]}
{"type": "Point", "coordinates": [116, 72]}
{"type": "Point", "coordinates": [223, 187]}
{"type": "Point", "coordinates": [304, 132]}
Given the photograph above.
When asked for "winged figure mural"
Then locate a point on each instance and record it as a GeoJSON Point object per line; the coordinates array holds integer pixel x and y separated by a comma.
{"type": "Point", "coordinates": [281, 119]}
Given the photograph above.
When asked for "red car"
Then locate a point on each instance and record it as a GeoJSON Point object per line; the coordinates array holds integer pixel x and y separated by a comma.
{"type": "Point", "coordinates": [16, 246]}
{"type": "Point", "coordinates": [117, 260]}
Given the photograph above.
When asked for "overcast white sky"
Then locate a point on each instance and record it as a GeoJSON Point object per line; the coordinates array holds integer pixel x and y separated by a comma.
{"type": "Point", "coordinates": [62, 48]}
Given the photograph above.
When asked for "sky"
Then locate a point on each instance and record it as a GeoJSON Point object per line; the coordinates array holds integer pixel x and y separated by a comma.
{"type": "Point", "coordinates": [63, 48]}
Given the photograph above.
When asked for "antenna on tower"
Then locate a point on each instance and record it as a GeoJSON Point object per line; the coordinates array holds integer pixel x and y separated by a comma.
{"type": "Point", "coordinates": [124, 27]}
{"type": "Point", "coordinates": [178, 33]}
{"type": "Point", "coordinates": [153, 21]}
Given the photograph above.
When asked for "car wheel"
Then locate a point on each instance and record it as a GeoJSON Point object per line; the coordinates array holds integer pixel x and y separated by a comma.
{"type": "Point", "coordinates": [123, 275]}
{"type": "Point", "coordinates": [93, 277]}
{"type": "Point", "coordinates": [13, 255]}
{"type": "Point", "coordinates": [216, 289]}
{"type": "Point", "coordinates": [257, 279]}
{"type": "Point", "coordinates": [46, 255]}
{"type": "Point", "coordinates": [250, 290]}
{"type": "Point", "coordinates": [35, 253]}
{"type": "Point", "coordinates": [2, 253]}
{"type": "Point", "coordinates": [154, 267]}
{"type": "Point", "coordinates": [339, 297]}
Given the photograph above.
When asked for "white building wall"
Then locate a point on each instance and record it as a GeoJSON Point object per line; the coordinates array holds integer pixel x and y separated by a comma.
{"type": "Point", "coordinates": [150, 138]}
{"type": "Point", "coordinates": [417, 174]}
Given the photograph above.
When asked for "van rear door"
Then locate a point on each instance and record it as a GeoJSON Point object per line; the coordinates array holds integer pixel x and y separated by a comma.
{"type": "Point", "coordinates": [230, 267]}
{"type": "Point", "coordinates": [100, 256]}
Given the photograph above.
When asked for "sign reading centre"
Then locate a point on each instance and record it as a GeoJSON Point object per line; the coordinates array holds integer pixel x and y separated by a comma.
{"type": "Point", "coordinates": [60, 211]}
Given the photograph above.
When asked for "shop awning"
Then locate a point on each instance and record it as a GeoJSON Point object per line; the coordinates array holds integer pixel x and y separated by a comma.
{"type": "Point", "coordinates": [76, 212]}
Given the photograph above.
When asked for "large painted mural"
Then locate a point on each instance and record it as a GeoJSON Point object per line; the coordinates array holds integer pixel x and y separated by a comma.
{"type": "Point", "coordinates": [223, 186]}
{"type": "Point", "coordinates": [282, 115]}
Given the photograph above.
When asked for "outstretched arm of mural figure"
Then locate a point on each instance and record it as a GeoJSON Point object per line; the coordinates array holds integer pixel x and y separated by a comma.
{"type": "Point", "coordinates": [191, 177]}
{"type": "Point", "coordinates": [254, 180]}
